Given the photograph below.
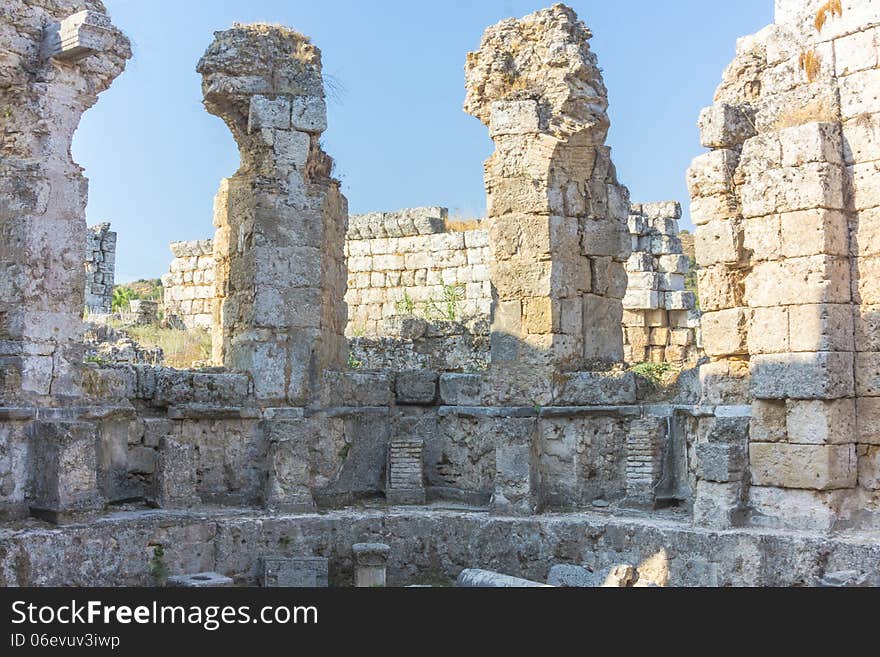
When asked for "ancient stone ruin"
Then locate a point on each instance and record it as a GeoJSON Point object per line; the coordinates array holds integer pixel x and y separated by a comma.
{"type": "Point", "coordinates": [100, 269]}
{"type": "Point", "coordinates": [400, 398]}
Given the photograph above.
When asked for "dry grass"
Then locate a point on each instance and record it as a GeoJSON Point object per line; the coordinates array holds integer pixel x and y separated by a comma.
{"type": "Point", "coordinates": [181, 348]}
{"type": "Point", "coordinates": [828, 10]}
{"type": "Point", "coordinates": [810, 63]}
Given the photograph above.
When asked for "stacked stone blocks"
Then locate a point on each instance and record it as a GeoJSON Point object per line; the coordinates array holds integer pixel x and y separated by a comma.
{"type": "Point", "coordinates": [189, 285]}
{"type": "Point", "coordinates": [100, 269]}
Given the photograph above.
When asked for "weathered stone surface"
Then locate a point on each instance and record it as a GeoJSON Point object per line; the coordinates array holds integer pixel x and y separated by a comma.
{"type": "Point", "coordinates": [803, 466]}
{"type": "Point", "coordinates": [822, 422]}
{"type": "Point", "coordinates": [65, 468]}
{"type": "Point", "coordinates": [461, 389]}
{"type": "Point", "coordinates": [821, 375]}
{"type": "Point", "coordinates": [596, 389]}
{"type": "Point", "coordinates": [200, 581]}
{"type": "Point", "coordinates": [720, 462]}
{"type": "Point", "coordinates": [299, 572]}
{"type": "Point", "coordinates": [417, 387]}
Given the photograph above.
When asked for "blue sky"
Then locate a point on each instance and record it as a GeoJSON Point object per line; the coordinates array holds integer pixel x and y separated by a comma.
{"type": "Point", "coordinates": [155, 157]}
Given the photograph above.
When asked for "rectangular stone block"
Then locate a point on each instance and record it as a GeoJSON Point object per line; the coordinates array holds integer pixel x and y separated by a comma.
{"type": "Point", "coordinates": [822, 422]}
{"type": "Point", "coordinates": [269, 113]}
{"type": "Point", "coordinates": [301, 572]}
{"type": "Point", "coordinates": [461, 389]}
{"type": "Point", "coordinates": [814, 232]}
{"type": "Point", "coordinates": [869, 467]}
{"type": "Point", "coordinates": [867, 273]}
{"type": "Point", "coordinates": [814, 185]}
{"type": "Point", "coordinates": [726, 332]}
{"type": "Point", "coordinates": [720, 242]}
{"type": "Point", "coordinates": [868, 374]}
{"type": "Point", "coordinates": [712, 173]}
{"type": "Point", "coordinates": [716, 505]}
{"type": "Point", "coordinates": [868, 413]}
{"type": "Point", "coordinates": [720, 288]}
{"type": "Point", "coordinates": [807, 467]}
{"type": "Point", "coordinates": [417, 387]}
{"type": "Point", "coordinates": [762, 238]}
{"type": "Point", "coordinates": [791, 509]}
{"type": "Point", "coordinates": [768, 331]}
{"type": "Point", "coordinates": [768, 422]}
{"type": "Point", "coordinates": [603, 332]}
{"type": "Point", "coordinates": [861, 139]}
{"type": "Point", "coordinates": [811, 280]}
{"type": "Point", "coordinates": [596, 389]}
{"type": "Point", "coordinates": [65, 468]}
{"type": "Point", "coordinates": [821, 327]}
{"type": "Point", "coordinates": [867, 328]}
{"type": "Point", "coordinates": [725, 126]}
{"type": "Point", "coordinates": [725, 382]}
{"type": "Point", "coordinates": [175, 483]}
{"type": "Point", "coordinates": [823, 375]}
{"type": "Point", "coordinates": [815, 142]}
{"type": "Point", "coordinates": [865, 185]}
{"type": "Point", "coordinates": [714, 208]}
{"type": "Point", "coordinates": [720, 462]}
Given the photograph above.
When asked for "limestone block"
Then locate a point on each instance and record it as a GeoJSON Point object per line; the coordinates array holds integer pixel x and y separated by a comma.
{"type": "Point", "coordinates": [784, 508]}
{"type": "Point", "coordinates": [674, 264]}
{"type": "Point", "coordinates": [461, 389]}
{"type": "Point", "coordinates": [865, 179]}
{"type": "Point", "coordinates": [175, 484]}
{"type": "Point", "coordinates": [868, 374]}
{"type": "Point", "coordinates": [715, 207]}
{"type": "Point", "coordinates": [725, 126]}
{"type": "Point", "coordinates": [812, 280]}
{"type": "Point", "coordinates": [641, 299]}
{"type": "Point", "coordinates": [716, 505]}
{"type": "Point", "coordinates": [869, 467]}
{"type": "Point", "coordinates": [761, 238]}
{"type": "Point", "coordinates": [720, 462]}
{"type": "Point", "coordinates": [514, 117]}
{"type": "Point", "coordinates": [711, 174]}
{"type": "Point", "coordinates": [417, 387]}
{"type": "Point", "coordinates": [861, 139]}
{"type": "Point", "coordinates": [351, 388]}
{"type": "Point", "coordinates": [725, 382]}
{"type": "Point", "coordinates": [677, 301]}
{"type": "Point", "coordinates": [720, 288]}
{"type": "Point", "coordinates": [867, 328]}
{"type": "Point", "coordinates": [867, 271]}
{"type": "Point", "coordinates": [291, 147]}
{"type": "Point", "coordinates": [65, 468]}
{"type": "Point", "coordinates": [659, 337]}
{"type": "Point", "coordinates": [811, 142]}
{"type": "Point", "coordinates": [596, 389]}
{"type": "Point", "coordinates": [768, 422]}
{"type": "Point", "coordinates": [78, 36]}
{"type": "Point", "coordinates": [657, 318]}
{"type": "Point", "coordinates": [857, 95]}
{"type": "Point", "coordinates": [726, 332]}
{"type": "Point", "coordinates": [808, 467]}
{"type": "Point", "coordinates": [672, 283]}
{"type": "Point", "coordinates": [309, 114]}
{"type": "Point", "coordinates": [857, 52]}
{"type": "Point", "coordinates": [790, 189]}
{"type": "Point", "coordinates": [822, 375]}
{"type": "Point", "coordinates": [514, 468]}
{"type": "Point", "coordinates": [814, 232]}
{"type": "Point", "coordinates": [300, 572]}
{"type": "Point", "coordinates": [868, 413]}
{"type": "Point", "coordinates": [541, 316]}
{"type": "Point", "coordinates": [720, 242]}
{"type": "Point", "coordinates": [768, 331]}
{"type": "Point", "coordinates": [823, 327]}
{"type": "Point", "coordinates": [269, 113]}
{"type": "Point", "coordinates": [821, 422]}
{"type": "Point", "coordinates": [603, 339]}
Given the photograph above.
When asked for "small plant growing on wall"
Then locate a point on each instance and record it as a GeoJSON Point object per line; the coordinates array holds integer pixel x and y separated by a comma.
{"type": "Point", "coordinates": [446, 309]}
{"type": "Point", "coordinates": [406, 306]}
{"type": "Point", "coordinates": [158, 567]}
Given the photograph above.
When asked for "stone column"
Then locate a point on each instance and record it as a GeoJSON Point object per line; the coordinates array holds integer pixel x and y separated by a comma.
{"type": "Point", "coordinates": [556, 212]}
{"type": "Point", "coordinates": [370, 561]}
{"type": "Point", "coordinates": [46, 84]}
{"type": "Point", "coordinates": [281, 219]}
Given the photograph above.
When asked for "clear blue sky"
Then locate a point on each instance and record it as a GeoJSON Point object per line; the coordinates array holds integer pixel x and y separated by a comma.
{"type": "Point", "coordinates": [155, 157]}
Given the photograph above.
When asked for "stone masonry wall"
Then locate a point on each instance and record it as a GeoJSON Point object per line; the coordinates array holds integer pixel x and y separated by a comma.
{"type": "Point", "coordinates": [785, 205]}
{"type": "Point", "coordinates": [100, 269]}
{"type": "Point", "coordinates": [659, 320]}
{"type": "Point", "coordinates": [407, 263]}
{"type": "Point", "coordinates": [45, 87]}
{"type": "Point", "coordinates": [557, 214]}
{"type": "Point", "coordinates": [188, 286]}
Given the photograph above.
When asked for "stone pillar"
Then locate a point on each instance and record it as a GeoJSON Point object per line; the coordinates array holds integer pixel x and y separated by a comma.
{"type": "Point", "coordinates": [281, 219]}
{"type": "Point", "coordinates": [46, 84]}
{"type": "Point", "coordinates": [370, 561]}
{"type": "Point", "coordinates": [556, 212]}
{"type": "Point", "coordinates": [783, 207]}
{"type": "Point", "coordinates": [100, 269]}
{"type": "Point", "coordinates": [658, 311]}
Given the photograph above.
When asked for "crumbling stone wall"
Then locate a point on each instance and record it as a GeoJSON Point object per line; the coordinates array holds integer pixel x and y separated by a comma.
{"type": "Point", "coordinates": [407, 263]}
{"type": "Point", "coordinates": [189, 286]}
{"type": "Point", "coordinates": [784, 205]}
{"type": "Point", "coordinates": [659, 319]}
{"type": "Point", "coordinates": [45, 87]}
{"type": "Point", "coordinates": [281, 220]}
{"type": "Point", "coordinates": [557, 215]}
{"type": "Point", "coordinates": [100, 269]}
